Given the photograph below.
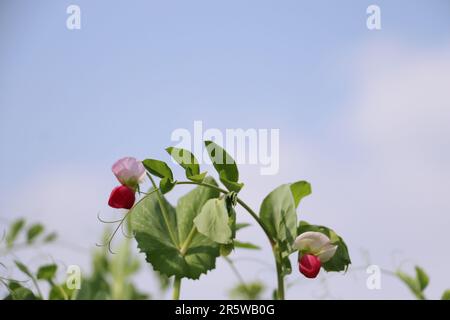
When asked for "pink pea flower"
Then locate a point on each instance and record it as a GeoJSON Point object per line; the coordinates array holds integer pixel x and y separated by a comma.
{"type": "Point", "coordinates": [315, 249]}
{"type": "Point", "coordinates": [129, 171]}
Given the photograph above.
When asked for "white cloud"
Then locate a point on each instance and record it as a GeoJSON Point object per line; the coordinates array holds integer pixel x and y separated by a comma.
{"type": "Point", "coordinates": [395, 196]}
{"type": "Point", "coordinates": [381, 172]}
{"type": "Point", "coordinates": [402, 117]}
{"type": "Point", "coordinates": [403, 98]}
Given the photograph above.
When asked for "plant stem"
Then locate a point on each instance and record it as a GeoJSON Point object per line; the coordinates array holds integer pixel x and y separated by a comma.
{"type": "Point", "coordinates": [165, 213]}
{"type": "Point", "coordinates": [255, 216]}
{"type": "Point", "coordinates": [276, 253]}
{"type": "Point", "coordinates": [204, 185]}
{"type": "Point", "coordinates": [188, 240]}
{"type": "Point", "coordinates": [280, 277]}
{"type": "Point", "coordinates": [176, 288]}
{"type": "Point", "coordinates": [37, 288]}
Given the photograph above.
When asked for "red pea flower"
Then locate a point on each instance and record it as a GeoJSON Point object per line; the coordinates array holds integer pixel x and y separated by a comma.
{"type": "Point", "coordinates": [315, 248]}
{"type": "Point", "coordinates": [122, 197]}
{"type": "Point", "coordinates": [309, 265]}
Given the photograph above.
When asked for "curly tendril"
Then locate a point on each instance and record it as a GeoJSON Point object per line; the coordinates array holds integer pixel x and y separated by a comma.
{"type": "Point", "coordinates": [120, 222]}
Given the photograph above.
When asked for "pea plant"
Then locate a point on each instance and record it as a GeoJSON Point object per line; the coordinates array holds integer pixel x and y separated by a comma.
{"type": "Point", "coordinates": [184, 241]}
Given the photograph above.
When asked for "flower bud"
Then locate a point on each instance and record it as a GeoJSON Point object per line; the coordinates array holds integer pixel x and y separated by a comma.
{"type": "Point", "coordinates": [129, 171]}
{"type": "Point", "coordinates": [309, 265]}
{"type": "Point", "coordinates": [122, 197]}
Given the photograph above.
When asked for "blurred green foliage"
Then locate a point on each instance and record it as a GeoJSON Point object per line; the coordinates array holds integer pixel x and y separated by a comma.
{"type": "Point", "coordinates": [248, 291]}
{"type": "Point", "coordinates": [110, 278]}
{"type": "Point", "coordinates": [418, 282]}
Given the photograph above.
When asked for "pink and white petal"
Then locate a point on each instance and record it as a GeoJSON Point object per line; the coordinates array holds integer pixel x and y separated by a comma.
{"type": "Point", "coordinates": [312, 241]}
{"type": "Point", "coordinates": [128, 170]}
{"type": "Point", "coordinates": [327, 252]}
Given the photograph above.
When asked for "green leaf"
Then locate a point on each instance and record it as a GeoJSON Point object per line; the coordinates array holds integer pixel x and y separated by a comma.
{"type": "Point", "coordinates": [47, 272]}
{"type": "Point", "coordinates": [190, 205]}
{"type": "Point", "coordinates": [18, 292]}
{"type": "Point", "coordinates": [189, 163]}
{"type": "Point", "coordinates": [341, 259]}
{"type": "Point", "coordinates": [51, 237]}
{"type": "Point", "coordinates": [153, 238]}
{"type": "Point", "coordinates": [23, 268]}
{"type": "Point", "coordinates": [198, 178]}
{"type": "Point", "coordinates": [246, 245]}
{"type": "Point", "coordinates": [158, 168]}
{"type": "Point", "coordinates": [13, 232]}
{"type": "Point", "coordinates": [286, 267]}
{"type": "Point", "coordinates": [185, 159]}
{"type": "Point", "coordinates": [300, 190]}
{"type": "Point", "coordinates": [240, 226]}
{"type": "Point", "coordinates": [95, 287]}
{"type": "Point", "coordinates": [278, 215]}
{"type": "Point", "coordinates": [284, 250]}
{"type": "Point", "coordinates": [231, 218]}
{"type": "Point", "coordinates": [446, 295]}
{"type": "Point", "coordinates": [166, 185]}
{"type": "Point", "coordinates": [213, 221]}
{"type": "Point", "coordinates": [416, 285]}
{"type": "Point", "coordinates": [161, 170]}
{"type": "Point", "coordinates": [230, 185]}
{"type": "Point", "coordinates": [411, 283]}
{"type": "Point", "coordinates": [222, 161]}
{"type": "Point", "coordinates": [226, 249]}
{"type": "Point", "coordinates": [34, 231]}
{"type": "Point", "coordinates": [225, 166]}
{"type": "Point", "coordinates": [13, 285]}
{"type": "Point", "coordinates": [422, 278]}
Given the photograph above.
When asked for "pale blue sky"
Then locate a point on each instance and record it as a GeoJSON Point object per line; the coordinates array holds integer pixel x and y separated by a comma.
{"type": "Point", "coordinates": [163, 64]}
{"type": "Point", "coordinates": [137, 70]}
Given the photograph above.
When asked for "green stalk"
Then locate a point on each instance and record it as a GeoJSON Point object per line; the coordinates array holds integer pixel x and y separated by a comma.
{"type": "Point", "coordinates": [176, 288]}
{"type": "Point", "coordinates": [165, 213]}
{"type": "Point", "coordinates": [37, 288]}
{"type": "Point", "coordinates": [276, 253]}
{"type": "Point", "coordinates": [61, 290]}
{"type": "Point", "coordinates": [185, 246]}
{"type": "Point", "coordinates": [280, 277]}
{"type": "Point", "coordinates": [255, 216]}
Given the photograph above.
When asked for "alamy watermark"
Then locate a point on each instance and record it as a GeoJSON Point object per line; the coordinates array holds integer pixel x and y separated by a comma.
{"type": "Point", "coordinates": [73, 280]}
{"type": "Point", "coordinates": [73, 21]}
{"type": "Point", "coordinates": [246, 146]}
{"type": "Point", "coordinates": [373, 21]}
{"type": "Point", "coordinates": [373, 281]}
